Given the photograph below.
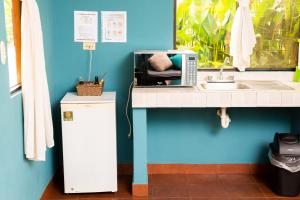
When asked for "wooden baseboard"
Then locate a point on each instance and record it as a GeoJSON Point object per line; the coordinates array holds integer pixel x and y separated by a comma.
{"type": "Point", "coordinates": [140, 190]}
{"type": "Point", "coordinates": [127, 169]}
{"type": "Point", "coordinates": [207, 169]}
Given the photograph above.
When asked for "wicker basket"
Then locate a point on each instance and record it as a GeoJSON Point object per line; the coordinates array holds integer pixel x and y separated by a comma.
{"type": "Point", "coordinates": [90, 88]}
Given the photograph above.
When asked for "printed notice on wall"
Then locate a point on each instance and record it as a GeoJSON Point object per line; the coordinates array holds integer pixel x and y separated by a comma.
{"type": "Point", "coordinates": [114, 26]}
{"type": "Point", "coordinates": [85, 26]}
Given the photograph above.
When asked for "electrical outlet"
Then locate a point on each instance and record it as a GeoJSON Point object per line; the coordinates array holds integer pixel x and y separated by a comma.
{"type": "Point", "coordinates": [91, 46]}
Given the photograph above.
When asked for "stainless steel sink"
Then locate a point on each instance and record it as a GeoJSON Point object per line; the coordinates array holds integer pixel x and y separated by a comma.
{"type": "Point", "coordinates": [224, 86]}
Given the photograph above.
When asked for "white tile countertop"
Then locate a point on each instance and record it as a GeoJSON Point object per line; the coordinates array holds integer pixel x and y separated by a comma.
{"type": "Point", "coordinates": [255, 96]}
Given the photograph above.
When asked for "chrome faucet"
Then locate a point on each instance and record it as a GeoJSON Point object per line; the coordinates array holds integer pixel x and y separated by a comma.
{"type": "Point", "coordinates": [221, 73]}
{"type": "Point", "coordinates": [226, 62]}
{"type": "Point", "coordinates": [229, 79]}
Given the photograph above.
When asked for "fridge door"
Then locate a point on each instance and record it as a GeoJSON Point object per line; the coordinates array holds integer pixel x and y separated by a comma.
{"type": "Point", "coordinates": [89, 147]}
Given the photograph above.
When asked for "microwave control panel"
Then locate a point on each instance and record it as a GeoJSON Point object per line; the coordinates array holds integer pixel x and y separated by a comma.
{"type": "Point", "coordinates": [191, 69]}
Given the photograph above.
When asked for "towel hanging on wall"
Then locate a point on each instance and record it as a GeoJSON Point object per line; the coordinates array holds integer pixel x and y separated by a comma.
{"type": "Point", "coordinates": [242, 36]}
{"type": "Point", "coordinates": [38, 128]}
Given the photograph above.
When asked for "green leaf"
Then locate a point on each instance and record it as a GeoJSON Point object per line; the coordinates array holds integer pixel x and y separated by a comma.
{"type": "Point", "coordinates": [226, 18]}
{"type": "Point", "coordinates": [209, 25]}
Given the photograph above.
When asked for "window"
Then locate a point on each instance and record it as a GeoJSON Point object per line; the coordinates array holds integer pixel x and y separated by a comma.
{"type": "Point", "coordinates": [204, 27]}
{"type": "Point", "coordinates": [12, 11]}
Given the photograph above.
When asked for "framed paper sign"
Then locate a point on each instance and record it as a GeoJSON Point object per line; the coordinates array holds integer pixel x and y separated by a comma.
{"type": "Point", "coordinates": [114, 26]}
{"type": "Point", "coordinates": [85, 26]}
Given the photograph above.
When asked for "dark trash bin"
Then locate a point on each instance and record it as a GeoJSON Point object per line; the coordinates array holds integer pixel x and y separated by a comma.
{"type": "Point", "coordinates": [284, 156]}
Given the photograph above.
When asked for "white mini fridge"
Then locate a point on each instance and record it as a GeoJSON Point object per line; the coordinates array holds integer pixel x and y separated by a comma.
{"type": "Point", "coordinates": [89, 143]}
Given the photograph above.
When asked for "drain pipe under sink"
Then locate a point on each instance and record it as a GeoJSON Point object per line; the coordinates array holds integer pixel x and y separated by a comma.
{"type": "Point", "coordinates": [225, 119]}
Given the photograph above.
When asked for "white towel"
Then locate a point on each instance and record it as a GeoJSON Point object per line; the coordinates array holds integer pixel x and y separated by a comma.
{"type": "Point", "coordinates": [38, 128]}
{"type": "Point", "coordinates": [242, 36]}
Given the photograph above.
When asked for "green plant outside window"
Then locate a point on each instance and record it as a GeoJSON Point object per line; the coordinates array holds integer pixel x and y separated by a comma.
{"type": "Point", "coordinates": [204, 27]}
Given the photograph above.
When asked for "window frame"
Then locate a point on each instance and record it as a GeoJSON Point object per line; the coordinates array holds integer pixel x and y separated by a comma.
{"type": "Point", "coordinates": [16, 22]}
{"type": "Point", "coordinates": [231, 69]}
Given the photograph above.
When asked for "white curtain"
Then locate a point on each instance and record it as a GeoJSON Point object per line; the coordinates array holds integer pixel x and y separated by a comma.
{"type": "Point", "coordinates": [38, 128]}
{"type": "Point", "coordinates": [242, 36]}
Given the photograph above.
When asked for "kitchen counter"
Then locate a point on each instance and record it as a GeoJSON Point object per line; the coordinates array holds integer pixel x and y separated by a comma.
{"type": "Point", "coordinates": [255, 96]}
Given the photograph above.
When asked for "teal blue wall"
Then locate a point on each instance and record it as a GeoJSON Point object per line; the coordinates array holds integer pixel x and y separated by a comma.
{"type": "Point", "coordinates": [149, 27]}
{"type": "Point", "coordinates": [174, 136]}
{"type": "Point", "coordinates": [195, 135]}
{"type": "Point", "coordinates": [19, 178]}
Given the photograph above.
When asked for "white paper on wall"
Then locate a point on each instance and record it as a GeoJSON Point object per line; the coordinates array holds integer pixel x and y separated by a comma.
{"type": "Point", "coordinates": [85, 26]}
{"type": "Point", "coordinates": [114, 26]}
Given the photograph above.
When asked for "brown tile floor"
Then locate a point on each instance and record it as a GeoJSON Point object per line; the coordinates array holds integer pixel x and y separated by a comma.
{"type": "Point", "coordinates": [182, 187]}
